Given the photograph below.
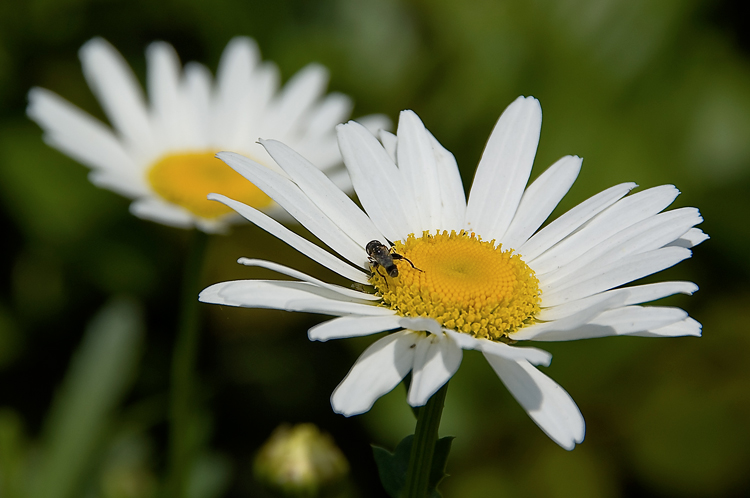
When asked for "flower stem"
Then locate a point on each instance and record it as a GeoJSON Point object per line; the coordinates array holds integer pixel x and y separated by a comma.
{"type": "Point", "coordinates": [182, 433]}
{"type": "Point", "coordinates": [423, 446]}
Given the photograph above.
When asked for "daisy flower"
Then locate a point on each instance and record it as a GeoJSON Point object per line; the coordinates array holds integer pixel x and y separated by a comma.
{"type": "Point", "coordinates": [476, 274]}
{"type": "Point", "coordinates": [161, 152]}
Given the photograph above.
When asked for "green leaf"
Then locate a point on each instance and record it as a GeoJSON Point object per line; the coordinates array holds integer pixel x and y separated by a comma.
{"type": "Point", "coordinates": [392, 466]}
{"type": "Point", "coordinates": [439, 461]}
{"type": "Point", "coordinates": [100, 374]}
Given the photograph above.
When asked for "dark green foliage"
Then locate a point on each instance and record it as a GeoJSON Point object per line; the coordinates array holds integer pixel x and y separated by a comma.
{"type": "Point", "coordinates": [392, 467]}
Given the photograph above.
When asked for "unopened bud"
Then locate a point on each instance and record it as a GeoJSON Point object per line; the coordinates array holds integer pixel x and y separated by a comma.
{"type": "Point", "coordinates": [300, 461]}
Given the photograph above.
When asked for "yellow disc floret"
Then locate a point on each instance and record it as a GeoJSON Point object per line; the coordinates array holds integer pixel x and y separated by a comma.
{"type": "Point", "coordinates": [186, 180]}
{"type": "Point", "coordinates": [466, 284]}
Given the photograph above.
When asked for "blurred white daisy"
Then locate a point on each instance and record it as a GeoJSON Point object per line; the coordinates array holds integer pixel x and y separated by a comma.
{"type": "Point", "coordinates": [483, 277]}
{"type": "Point", "coordinates": [161, 152]}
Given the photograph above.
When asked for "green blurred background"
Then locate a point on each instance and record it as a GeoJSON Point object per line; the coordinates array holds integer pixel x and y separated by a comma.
{"type": "Point", "coordinates": [644, 91]}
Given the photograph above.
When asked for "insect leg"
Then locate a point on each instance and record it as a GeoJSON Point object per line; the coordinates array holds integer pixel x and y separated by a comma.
{"type": "Point", "coordinates": [398, 256]}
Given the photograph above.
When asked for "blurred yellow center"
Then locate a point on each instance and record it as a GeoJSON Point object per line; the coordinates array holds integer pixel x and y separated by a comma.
{"type": "Point", "coordinates": [465, 284]}
{"type": "Point", "coordinates": [186, 180]}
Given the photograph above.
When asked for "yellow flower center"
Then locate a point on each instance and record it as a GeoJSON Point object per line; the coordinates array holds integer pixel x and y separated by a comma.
{"type": "Point", "coordinates": [466, 284]}
{"type": "Point", "coordinates": [186, 179]}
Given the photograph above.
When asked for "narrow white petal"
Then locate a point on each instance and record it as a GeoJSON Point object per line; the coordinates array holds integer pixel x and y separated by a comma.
{"type": "Point", "coordinates": [301, 244]}
{"type": "Point", "coordinates": [288, 296]}
{"type": "Point", "coordinates": [636, 294]}
{"type": "Point", "coordinates": [688, 326]}
{"type": "Point", "coordinates": [335, 108]}
{"type": "Point", "coordinates": [265, 83]}
{"type": "Point", "coordinates": [548, 404]}
{"type": "Point", "coordinates": [376, 372]}
{"type": "Point", "coordinates": [453, 198]}
{"type": "Point", "coordinates": [77, 134]}
{"type": "Point", "coordinates": [692, 238]}
{"type": "Point", "coordinates": [628, 269]}
{"type": "Point", "coordinates": [532, 355]}
{"type": "Point", "coordinates": [421, 324]}
{"type": "Point", "coordinates": [352, 326]}
{"type": "Point", "coordinates": [540, 199]}
{"type": "Point", "coordinates": [628, 320]}
{"type": "Point", "coordinates": [504, 169]}
{"type": "Point", "coordinates": [163, 83]}
{"type": "Point", "coordinates": [375, 123]}
{"type": "Point", "coordinates": [632, 319]}
{"type": "Point", "coordinates": [377, 181]}
{"type": "Point", "coordinates": [289, 196]}
{"type": "Point", "coordinates": [436, 359]}
{"type": "Point", "coordinates": [295, 100]}
{"type": "Point", "coordinates": [647, 235]}
{"type": "Point", "coordinates": [119, 93]}
{"type": "Point", "coordinates": [237, 99]}
{"type": "Point", "coordinates": [390, 143]}
{"type": "Point", "coordinates": [121, 184]}
{"type": "Point", "coordinates": [218, 225]}
{"type": "Point", "coordinates": [571, 321]}
{"type": "Point", "coordinates": [285, 270]}
{"type": "Point", "coordinates": [418, 166]}
{"type": "Point", "coordinates": [336, 205]}
{"type": "Point", "coordinates": [197, 91]}
{"type": "Point", "coordinates": [623, 214]}
{"type": "Point", "coordinates": [571, 221]}
{"type": "Point", "coordinates": [150, 208]}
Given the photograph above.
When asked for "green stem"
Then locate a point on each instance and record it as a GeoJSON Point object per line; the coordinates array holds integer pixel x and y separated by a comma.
{"type": "Point", "coordinates": [423, 446]}
{"type": "Point", "coordinates": [182, 433]}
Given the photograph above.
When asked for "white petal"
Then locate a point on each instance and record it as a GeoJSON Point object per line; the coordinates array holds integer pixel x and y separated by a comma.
{"type": "Point", "coordinates": [119, 93]}
{"type": "Point", "coordinates": [540, 199]}
{"type": "Point", "coordinates": [548, 405]}
{"type": "Point", "coordinates": [453, 209]}
{"type": "Point", "coordinates": [571, 221]}
{"type": "Point", "coordinates": [295, 100]}
{"type": "Point", "coordinates": [238, 99]}
{"type": "Point", "coordinates": [150, 208]}
{"type": "Point", "coordinates": [688, 326]}
{"type": "Point", "coordinates": [377, 371]}
{"type": "Point", "coordinates": [632, 319]}
{"type": "Point", "coordinates": [324, 194]}
{"type": "Point", "coordinates": [421, 324]}
{"type": "Point", "coordinates": [218, 225]}
{"type": "Point", "coordinates": [504, 169]}
{"type": "Point", "coordinates": [390, 143]}
{"type": "Point", "coordinates": [436, 358]}
{"type": "Point", "coordinates": [352, 326]}
{"type": "Point", "coordinates": [288, 296]}
{"type": "Point", "coordinates": [289, 196]}
{"type": "Point", "coordinates": [629, 320]}
{"type": "Point", "coordinates": [285, 270]}
{"type": "Point", "coordinates": [418, 166]}
{"type": "Point", "coordinates": [692, 238]}
{"type": "Point", "coordinates": [628, 269]}
{"type": "Point", "coordinates": [377, 181]}
{"type": "Point", "coordinates": [375, 123]}
{"type": "Point", "coordinates": [123, 185]}
{"type": "Point", "coordinates": [647, 235]}
{"type": "Point", "coordinates": [623, 214]}
{"type": "Point", "coordinates": [636, 294]}
{"type": "Point", "coordinates": [163, 82]}
{"type": "Point", "coordinates": [77, 134]}
{"type": "Point", "coordinates": [532, 355]}
{"type": "Point", "coordinates": [303, 245]}
{"type": "Point", "coordinates": [572, 321]}
{"type": "Point", "coordinates": [197, 91]}
{"type": "Point", "coordinates": [335, 108]}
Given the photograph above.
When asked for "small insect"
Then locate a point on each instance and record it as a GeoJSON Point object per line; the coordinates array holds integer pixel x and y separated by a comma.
{"type": "Point", "coordinates": [380, 255]}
